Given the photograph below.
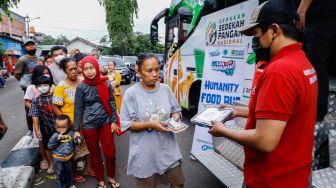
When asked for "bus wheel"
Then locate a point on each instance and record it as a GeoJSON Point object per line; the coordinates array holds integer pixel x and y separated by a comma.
{"type": "Point", "coordinates": [194, 96]}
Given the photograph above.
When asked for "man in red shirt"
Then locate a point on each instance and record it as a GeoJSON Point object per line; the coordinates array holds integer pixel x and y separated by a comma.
{"type": "Point", "coordinates": [279, 133]}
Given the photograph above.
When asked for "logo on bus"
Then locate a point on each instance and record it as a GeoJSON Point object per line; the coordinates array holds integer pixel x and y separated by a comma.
{"type": "Point", "coordinates": [211, 33]}
{"type": "Point", "coordinates": [236, 54]}
{"type": "Point", "coordinates": [226, 67]}
{"type": "Point", "coordinates": [214, 53]}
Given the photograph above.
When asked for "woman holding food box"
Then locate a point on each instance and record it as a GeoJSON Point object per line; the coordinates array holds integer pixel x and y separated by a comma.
{"type": "Point", "coordinates": [154, 154]}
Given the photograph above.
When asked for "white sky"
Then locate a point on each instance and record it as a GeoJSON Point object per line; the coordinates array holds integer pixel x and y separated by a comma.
{"type": "Point", "coordinates": [83, 18]}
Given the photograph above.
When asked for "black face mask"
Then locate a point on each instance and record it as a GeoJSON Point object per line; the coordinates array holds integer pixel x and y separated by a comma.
{"type": "Point", "coordinates": [31, 52]}
{"type": "Point", "coordinates": [262, 54]}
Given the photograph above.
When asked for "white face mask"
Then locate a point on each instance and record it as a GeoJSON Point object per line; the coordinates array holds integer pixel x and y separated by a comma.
{"type": "Point", "coordinates": [43, 89]}
{"type": "Point", "coordinates": [59, 58]}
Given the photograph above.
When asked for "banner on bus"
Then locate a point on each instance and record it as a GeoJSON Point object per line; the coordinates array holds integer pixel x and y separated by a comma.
{"type": "Point", "coordinates": [222, 83]}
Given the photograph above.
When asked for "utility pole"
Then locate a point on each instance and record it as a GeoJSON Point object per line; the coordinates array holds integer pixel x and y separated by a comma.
{"type": "Point", "coordinates": [27, 20]}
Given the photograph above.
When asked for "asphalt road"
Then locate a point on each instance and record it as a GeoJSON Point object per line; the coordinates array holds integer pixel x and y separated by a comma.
{"type": "Point", "coordinates": [13, 113]}
{"type": "Point", "coordinates": [12, 110]}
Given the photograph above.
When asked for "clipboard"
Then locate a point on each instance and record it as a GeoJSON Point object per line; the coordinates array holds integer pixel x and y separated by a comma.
{"type": "Point", "coordinates": [212, 113]}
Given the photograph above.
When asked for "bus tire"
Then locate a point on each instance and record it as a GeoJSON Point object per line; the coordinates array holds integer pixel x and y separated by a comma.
{"type": "Point", "coordinates": [194, 96]}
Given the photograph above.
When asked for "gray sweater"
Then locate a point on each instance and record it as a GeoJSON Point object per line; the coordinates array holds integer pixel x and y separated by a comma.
{"type": "Point", "coordinates": [90, 109]}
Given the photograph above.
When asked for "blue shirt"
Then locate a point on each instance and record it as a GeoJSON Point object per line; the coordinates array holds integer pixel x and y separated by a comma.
{"type": "Point", "coordinates": [64, 147]}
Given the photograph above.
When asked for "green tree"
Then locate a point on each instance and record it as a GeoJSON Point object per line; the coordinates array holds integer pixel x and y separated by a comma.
{"type": "Point", "coordinates": [104, 41]}
{"type": "Point", "coordinates": [5, 5]}
{"type": "Point", "coordinates": [61, 40]}
{"type": "Point", "coordinates": [142, 43]}
{"type": "Point", "coordinates": [47, 40]}
{"type": "Point", "coordinates": [107, 51]}
{"type": "Point", "coordinates": [139, 43]}
{"type": "Point", "coordinates": [119, 19]}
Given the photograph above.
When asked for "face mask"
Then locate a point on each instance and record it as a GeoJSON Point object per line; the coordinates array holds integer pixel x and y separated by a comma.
{"type": "Point", "coordinates": [43, 89]}
{"type": "Point", "coordinates": [59, 58]}
{"type": "Point", "coordinates": [31, 52]}
{"type": "Point", "coordinates": [262, 54]}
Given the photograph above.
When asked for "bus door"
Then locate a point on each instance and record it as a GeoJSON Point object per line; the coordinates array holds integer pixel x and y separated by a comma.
{"type": "Point", "coordinates": [177, 32]}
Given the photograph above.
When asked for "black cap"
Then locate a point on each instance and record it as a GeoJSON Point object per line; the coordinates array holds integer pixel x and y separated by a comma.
{"type": "Point", "coordinates": [272, 11]}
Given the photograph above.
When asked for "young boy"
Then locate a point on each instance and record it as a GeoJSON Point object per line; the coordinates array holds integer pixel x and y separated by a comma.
{"type": "Point", "coordinates": [62, 145]}
{"type": "Point", "coordinates": [41, 110]}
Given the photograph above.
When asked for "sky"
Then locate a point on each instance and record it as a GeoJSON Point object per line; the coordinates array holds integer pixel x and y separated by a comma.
{"type": "Point", "coordinates": [83, 18]}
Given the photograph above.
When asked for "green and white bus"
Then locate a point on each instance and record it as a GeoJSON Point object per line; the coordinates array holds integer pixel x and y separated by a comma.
{"type": "Point", "coordinates": [191, 25]}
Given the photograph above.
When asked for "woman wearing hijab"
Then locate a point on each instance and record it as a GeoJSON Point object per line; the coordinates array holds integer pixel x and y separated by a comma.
{"type": "Point", "coordinates": [95, 107]}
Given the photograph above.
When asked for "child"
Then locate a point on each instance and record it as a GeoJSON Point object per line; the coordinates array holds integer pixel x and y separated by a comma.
{"type": "Point", "coordinates": [32, 93]}
{"type": "Point", "coordinates": [41, 110]}
{"type": "Point", "coordinates": [62, 145]}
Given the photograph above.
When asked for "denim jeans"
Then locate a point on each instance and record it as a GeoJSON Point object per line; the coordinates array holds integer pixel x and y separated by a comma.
{"type": "Point", "coordinates": [63, 172]}
{"type": "Point", "coordinates": [2, 81]}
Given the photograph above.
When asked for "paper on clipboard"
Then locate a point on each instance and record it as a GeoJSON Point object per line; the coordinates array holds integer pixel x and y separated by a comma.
{"type": "Point", "coordinates": [209, 114]}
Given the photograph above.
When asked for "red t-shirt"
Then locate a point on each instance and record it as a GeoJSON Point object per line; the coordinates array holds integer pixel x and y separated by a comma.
{"type": "Point", "coordinates": [286, 90]}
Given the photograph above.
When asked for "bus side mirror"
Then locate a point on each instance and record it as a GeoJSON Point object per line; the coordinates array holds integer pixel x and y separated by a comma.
{"type": "Point", "coordinates": [154, 29]}
{"type": "Point", "coordinates": [154, 34]}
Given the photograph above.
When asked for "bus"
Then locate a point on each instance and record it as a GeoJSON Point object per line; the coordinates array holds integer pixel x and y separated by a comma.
{"type": "Point", "coordinates": [191, 25]}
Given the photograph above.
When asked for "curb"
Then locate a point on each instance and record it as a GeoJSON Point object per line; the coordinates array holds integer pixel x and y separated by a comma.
{"type": "Point", "coordinates": [18, 169]}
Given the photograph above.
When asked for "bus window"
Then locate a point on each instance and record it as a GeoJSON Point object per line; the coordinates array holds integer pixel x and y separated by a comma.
{"type": "Point", "coordinates": [171, 35]}
{"type": "Point", "coordinates": [185, 21]}
{"type": "Point", "coordinates": [175, 35]}
{"type": "Point", "coordinates": [172, 32]}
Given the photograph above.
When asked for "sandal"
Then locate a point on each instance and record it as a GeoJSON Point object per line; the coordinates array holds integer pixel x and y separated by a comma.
{"type": "Point", "coordinates": [114, 184]}
{"type": "Point", "coordinates": [90, 173]}
{"type": "Point", "coordinates": [44, 165]}
{"type": "Point", "coordinates": [78, 179]}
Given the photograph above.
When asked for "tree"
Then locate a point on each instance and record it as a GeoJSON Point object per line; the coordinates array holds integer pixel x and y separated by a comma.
{"type": "Point", "coordinates": [119, 19]}
{"type": "Point", "coordinates": [139, 43]}
{"type": "Point", "coordinates": [47, 40]}
{"type": "Point", "coordinates": [142, 43]}
{"type": "Point", "coordinates": [5, 5]}
{"type": "Point", "coordinates": [105, 41]}
{"type": "Point", "coordinates": [61, 40]}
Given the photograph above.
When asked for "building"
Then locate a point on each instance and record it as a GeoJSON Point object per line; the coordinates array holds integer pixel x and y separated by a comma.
{"type": "Point", "coordinates": [11, 36]}
{"type": "Point", "coordinates": [16, 29]}
{"type": "Point", "coordinates": [83, 45]}
{"type": "Point", "coordinates": [38, 37]}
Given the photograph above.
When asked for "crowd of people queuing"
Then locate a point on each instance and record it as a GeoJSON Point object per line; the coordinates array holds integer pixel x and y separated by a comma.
{"type": "Point", "coordinates": [74, 107]}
